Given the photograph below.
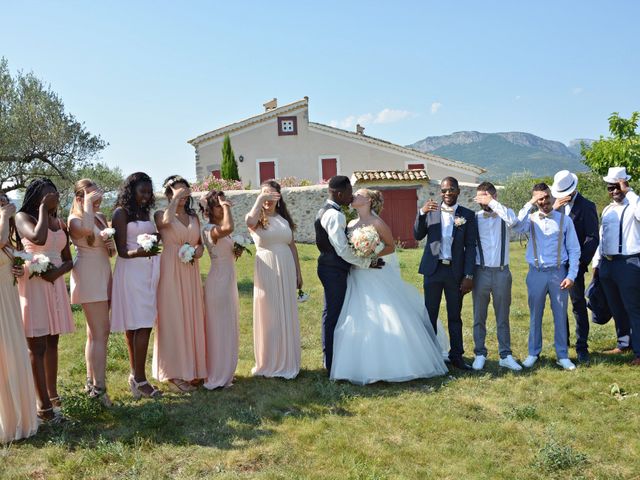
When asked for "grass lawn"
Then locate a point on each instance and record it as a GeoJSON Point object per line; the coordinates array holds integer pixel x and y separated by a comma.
{"type": "Point", "coordinates": [547, 423]}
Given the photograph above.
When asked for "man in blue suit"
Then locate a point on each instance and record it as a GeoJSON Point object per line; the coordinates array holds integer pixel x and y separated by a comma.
{"type": "Point", "coordinates": [448, 260]}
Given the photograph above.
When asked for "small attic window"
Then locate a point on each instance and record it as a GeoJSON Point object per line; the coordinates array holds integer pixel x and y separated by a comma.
{"type": "Point", "coordinates": [288, 125]}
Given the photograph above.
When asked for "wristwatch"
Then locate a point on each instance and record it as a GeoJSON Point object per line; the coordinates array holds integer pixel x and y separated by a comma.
{"type": "Point", "coordinates": [468, 277]}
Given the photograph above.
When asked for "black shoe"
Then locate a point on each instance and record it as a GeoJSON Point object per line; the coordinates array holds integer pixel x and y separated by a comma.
{"type": "Point", "coordinates": [583, 357]}
{"type": "Point", "coordinates": [460, 364]}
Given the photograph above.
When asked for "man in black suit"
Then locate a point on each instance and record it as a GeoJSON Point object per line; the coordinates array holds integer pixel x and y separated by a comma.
{"type": "Point", "coordinates": [448, 261]}
{"type": "Point", "coordinates": [585, 220]}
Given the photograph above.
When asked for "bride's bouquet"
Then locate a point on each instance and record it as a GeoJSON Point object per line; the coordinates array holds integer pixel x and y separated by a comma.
{"type": "Point", "coordinates": [148, 242]}
{"type": "Point", "coordinates": [364, 241]}
{"type": "Point", "coordinates": [39, 264]}
{"type": "Point", "coordinates": [187, 253]}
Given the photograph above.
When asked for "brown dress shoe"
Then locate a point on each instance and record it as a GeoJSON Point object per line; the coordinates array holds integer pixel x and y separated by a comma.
{"type": "Point", "coordinates": [617, 351]}
{"type": "Point", "coordinates": [635, 362]}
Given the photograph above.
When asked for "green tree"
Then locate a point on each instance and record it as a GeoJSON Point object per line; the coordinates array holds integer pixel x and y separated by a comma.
{"type": "Point", "coordinates": [229, 167]}
{"type": "Point", "coordinates": [37, 136]}
{"type": "Point", "coordinates": [621, 149]}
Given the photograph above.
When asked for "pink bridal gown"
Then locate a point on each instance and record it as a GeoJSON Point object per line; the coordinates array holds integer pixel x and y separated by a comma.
{"type": "Point", "coordinates": [221, 307]}
{"type": "Point", "coordinates": [179, 348]}
{"type": "Point", "coordinates": [276, 329]}
{"type": "Point", "coordinates": [17, 392]}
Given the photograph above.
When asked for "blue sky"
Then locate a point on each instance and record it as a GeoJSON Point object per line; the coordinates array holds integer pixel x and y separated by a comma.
{"type": "Point", "coordinates": [147, 76]}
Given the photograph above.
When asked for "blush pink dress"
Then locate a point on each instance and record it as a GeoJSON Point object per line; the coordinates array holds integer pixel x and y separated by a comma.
{"type": "Point", "coordinates": [276, 329]}
{"type": "Point", "coordinates": [91, 274]}
{"type": "Point", "coordinates": [135, 284]}
{"type": "Point", "coordinates": [179, 350]}
{"type": "Point", "coordinates": [221, 308]}
{"type": "Point", "coordinates": [17, 393]}
{"type": "Point", "coordinates": [45, 305]}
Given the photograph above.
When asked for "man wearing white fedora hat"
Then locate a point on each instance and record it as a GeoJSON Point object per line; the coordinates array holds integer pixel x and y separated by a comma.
{"type": "Point", "coordinates": [617, 261]}
{"type": "Point", "coordinates": [584, 214]}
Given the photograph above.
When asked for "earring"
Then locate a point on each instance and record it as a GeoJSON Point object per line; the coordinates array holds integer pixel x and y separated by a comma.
{"type": "Point", "coordinates": [278, 204]}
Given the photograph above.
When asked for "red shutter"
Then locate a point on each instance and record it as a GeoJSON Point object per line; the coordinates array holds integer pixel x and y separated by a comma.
{"type": "Point", "coordinates": [415, 166]}
{"type": "Point", "coordinates": [399, 212]}
{"type": "Point", "coordinates": [267, 171]}
{"type": "Point", "coordinates": [216, 174]}
{"type": "Point", "coordinates": [329, 168]}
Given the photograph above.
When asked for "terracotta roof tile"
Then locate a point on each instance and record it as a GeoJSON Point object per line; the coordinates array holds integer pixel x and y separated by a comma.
{"type": "Point", "coordinates": [390, 175]}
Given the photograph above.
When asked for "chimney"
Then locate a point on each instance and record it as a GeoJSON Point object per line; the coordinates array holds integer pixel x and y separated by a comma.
{"type": "Point", "coordinates": [359, 129]}
{"type": "Point", "coordinates": [270, 105]}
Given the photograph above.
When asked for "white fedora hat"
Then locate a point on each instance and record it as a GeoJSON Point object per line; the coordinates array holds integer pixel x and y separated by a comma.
{"type": "Point", "coordinates": [564, 183]}
{"type": "Point", "coordinates": [615, 174]}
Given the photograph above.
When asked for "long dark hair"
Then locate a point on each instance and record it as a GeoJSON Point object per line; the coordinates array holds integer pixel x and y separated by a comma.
{"type": "Point", "coordinates": [31, 202]}
{"type": "Point", "coordinates": [281, 207]}
{"type": "Point", "coordinates": [211, 199]}
{"type": "Point", "coordinates": [168, 192]}
{"type": "Point", "coordinates": [127, 196]}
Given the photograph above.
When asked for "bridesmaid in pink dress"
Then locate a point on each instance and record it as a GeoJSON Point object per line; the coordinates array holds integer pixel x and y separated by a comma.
{"type": "Point", "coordinates": [276, 329]}
{"type": "Point", "coordinates": [91, 281]}
{"type": "Point", "coordinates": [17, 394]}
{"type": "Point", "coordinates": [135, 279]}
{"type": "Point", "coordinates": [46, 312]}
{"type": "Point", "coordinates": [220, 292]}
{"type": "Point", "coordinates": [179, 354]}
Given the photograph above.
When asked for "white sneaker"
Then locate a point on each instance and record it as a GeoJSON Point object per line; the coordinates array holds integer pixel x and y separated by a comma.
{"type": "Point", "coordinates": [510, 363]}
{"type": "Point", "coordinates": [529, 361]}
{"type": "Point", "coordinates": [478, 363]}
{"type": "Point", "coordinates": [566, 364]}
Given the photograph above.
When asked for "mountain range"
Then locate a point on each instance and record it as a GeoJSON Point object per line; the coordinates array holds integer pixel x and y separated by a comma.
{"type": "Point", "coordinates": [505, 153]}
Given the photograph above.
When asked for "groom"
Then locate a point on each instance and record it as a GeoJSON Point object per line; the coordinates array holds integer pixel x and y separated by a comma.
{"type": "Point", "coordinates": [336, 258]}
{"type": "Point", "coordinates": [448, 261]}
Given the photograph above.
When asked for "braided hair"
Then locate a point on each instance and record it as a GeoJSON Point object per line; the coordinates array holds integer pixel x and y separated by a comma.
{"type": "Point", "coordinates": [127, 196]}
{"type": "Point", "coordinates": [33, 196]}
{"type": "Point", "coordinates": [168, 192]}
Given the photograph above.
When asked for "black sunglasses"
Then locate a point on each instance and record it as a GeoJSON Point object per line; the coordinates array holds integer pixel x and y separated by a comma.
{"type": "Point", "coordinates": [613, 187]}
{"type": "Point", "coordinates": [448, 190]}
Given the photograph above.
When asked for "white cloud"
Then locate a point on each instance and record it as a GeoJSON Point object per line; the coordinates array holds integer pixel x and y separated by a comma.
{"type": "Point", "coordinates": [435, 106]}
{"type": "Point", "coordinates": [518, 97]}
{"type": "Point", "coordinates": [386, 115]}
{"type": "Point", "coordinates": [577, 90]}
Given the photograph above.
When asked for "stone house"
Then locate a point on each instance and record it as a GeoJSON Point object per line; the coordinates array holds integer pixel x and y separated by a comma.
{"type": "Point", "coordinates": [282, 142]}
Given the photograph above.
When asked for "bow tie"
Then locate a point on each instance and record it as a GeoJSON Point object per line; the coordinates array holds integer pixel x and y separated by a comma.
{"type": "Point", "coordinates": [447, 209]}
{"type": "Point", "coordinates": [489, 214]}
{"type": "Point", "coordinates": [545, 215]}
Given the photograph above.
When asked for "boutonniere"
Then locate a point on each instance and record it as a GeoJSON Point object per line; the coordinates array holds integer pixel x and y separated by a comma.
{"type": "Point", "coordinates": [459, 221]}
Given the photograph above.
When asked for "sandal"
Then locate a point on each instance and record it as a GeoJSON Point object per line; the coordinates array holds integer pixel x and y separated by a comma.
{"type": "Point", "coordinates": [101, 395]}
{"type": "Point", "coordinates": [50, 416]}
{"type": "Point", "coordinates": [88, 386]}
{"type": "Point", "coordinates": [56, 403]}
{"type": "Point", "coordinates": [181, 386]}
{"type": "Point", "coordinates": [137, 392]}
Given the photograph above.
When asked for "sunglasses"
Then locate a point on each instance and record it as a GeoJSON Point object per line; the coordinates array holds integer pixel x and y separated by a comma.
{"type": "Point", "coordinates": [613, 188]}
{"type": "Point", "coordinates": [448, 190]}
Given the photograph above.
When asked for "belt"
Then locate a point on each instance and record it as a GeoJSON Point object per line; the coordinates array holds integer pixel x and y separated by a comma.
{"type": "Point", "coordinates": [504, 267]}
{"type": "Point", "coordinates": [621, 257]}
{"type": "Point", "coordinates": [548, 267]}
{"type": "Point", "coordinates": [444, 261]}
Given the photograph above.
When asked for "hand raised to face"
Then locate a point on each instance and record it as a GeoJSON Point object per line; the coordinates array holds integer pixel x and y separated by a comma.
{"type": "Point", "coordinates": [51, 200]}
{"type": "Point", "coordinates": [483, 198]}
{"type": "Point", "coordinates": [8, 210]}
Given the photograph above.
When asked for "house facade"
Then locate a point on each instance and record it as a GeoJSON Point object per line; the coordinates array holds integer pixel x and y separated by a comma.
{"type": "Point", "coordinates": [282, 142]}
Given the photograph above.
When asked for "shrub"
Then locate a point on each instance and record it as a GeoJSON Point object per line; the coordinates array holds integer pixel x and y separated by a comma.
{"type": "Point", "coordinates": [213, 183]}
{"type": "Point", "coordinates": [293, 182]}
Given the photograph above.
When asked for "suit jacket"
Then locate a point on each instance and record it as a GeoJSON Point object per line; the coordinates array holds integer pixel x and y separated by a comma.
{"type": "Point", "coordinates": [463, 249]}
{"type": "Point", "coordinates": [585, 220]}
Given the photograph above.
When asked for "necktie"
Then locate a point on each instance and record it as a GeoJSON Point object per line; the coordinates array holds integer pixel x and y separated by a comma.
{"type": "Point", "coordinates": [489, 214]}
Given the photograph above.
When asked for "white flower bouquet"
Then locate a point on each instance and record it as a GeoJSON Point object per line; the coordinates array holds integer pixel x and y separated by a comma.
{"type": "Point", "coordinates": [240, 245]}
{"type": "Point", "coordinates": [107, 233]}
{"type": "Point", "coordinates": [19, 259]}
{"type": "Point", "coordinates": [39, 264]}
{"type": "Point", "coordinates": [187, 253]}
{"type": "Point", "coordinates": [364, 241]}
{"type": "Point", "coordinates": [148, 242]}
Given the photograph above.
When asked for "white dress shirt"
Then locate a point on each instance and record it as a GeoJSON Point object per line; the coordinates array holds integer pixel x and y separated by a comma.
{"type": "Point", "coordinates": [546, 230]}
{"type": "Point", "coordinates": [335, 223]}
{"type": "Point", "coordinates": [490, 233]}
{"type": "Point", "coordinates": [446, 223]}
{"type": "Point", "coordinates": [610, 228]}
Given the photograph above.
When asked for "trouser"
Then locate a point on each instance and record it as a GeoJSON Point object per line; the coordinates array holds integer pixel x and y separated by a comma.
{"type": "Point", "coordinates": [620, 280]}
{"type": "Point", "coordinates": [491, 282]}
{"type": "Point", "coordinates": [580, 314]}
{"type": "Point", "coordinates": [334, 282]}
{"type": "Point", "coordinates": [541, 282]}
{"type": "Point", "coordinates": [443, 280]}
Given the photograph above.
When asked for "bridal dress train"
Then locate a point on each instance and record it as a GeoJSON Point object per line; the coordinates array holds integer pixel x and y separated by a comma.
{"type": "Point", "coordinates": [384, 332]}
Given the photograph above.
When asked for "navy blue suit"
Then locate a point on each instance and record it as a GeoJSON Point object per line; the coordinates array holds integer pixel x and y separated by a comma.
{"type": "Point", "coordinates": [439, 277]}
{"type": "Point", "coordinates": [585, 220]}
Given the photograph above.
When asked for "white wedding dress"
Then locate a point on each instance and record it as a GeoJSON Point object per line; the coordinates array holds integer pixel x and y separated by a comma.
{"type": "Point", "coordinates": [383, 332]}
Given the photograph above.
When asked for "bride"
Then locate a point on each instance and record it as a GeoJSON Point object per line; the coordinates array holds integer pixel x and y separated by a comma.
{"type": "Point", "coordinates": [383, 332]}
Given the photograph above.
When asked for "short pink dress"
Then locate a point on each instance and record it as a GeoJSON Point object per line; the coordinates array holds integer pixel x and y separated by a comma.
{"type": "Point", "coordinates": [91, 274]}
{"type": "Point", "coordinates": [221, 307]}
{"type": "Point", "coordinates": [135, 285]}
{"type": "Point", "coordinates": [179, 350]}
{"type": "Point", "coordinates": [45, 305]}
